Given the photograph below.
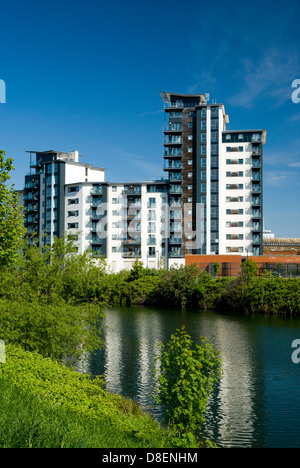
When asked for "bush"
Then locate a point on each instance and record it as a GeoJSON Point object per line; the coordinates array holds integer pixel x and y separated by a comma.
{"type": "Point", "coordinates": [59, 331]}
{"type": "Point", "coordinates": [186, 378]}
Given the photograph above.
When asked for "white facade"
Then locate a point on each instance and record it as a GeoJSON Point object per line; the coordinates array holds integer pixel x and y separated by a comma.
{"type": "Point", "coordinates": [235, 184]}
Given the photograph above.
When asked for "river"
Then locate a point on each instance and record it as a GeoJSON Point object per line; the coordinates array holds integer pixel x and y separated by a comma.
{"type": "Point", "coordinates": [256, 404]}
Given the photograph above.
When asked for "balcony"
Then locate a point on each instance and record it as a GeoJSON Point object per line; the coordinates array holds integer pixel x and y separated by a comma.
{"type": "Point", "coordinates": [256, 188]}
{"type": "Point", "coordinates": [175, 252]}
{"type": "Point", "coordinates": [132, 254]}
{"type": "Point", "coordinates": [256, 240]}
{"type": "Point", "coordinates": [176, 177]}
{"type": "Point", "coordinates": [96, 240]}
{"type": "Point", "coordinates": [255, 227]}
{"type": "Point", "coordinates": [96, 191]}
{"type": "Point", "coordinates": [173, 154]}
{"type": "Point", "coordinates": [175, 240]}
{"type": "Point", "coordinates": [96, 216]}
{"type": "Point", "coordinates": [172, 141]}
{"type": "Point", "coordinates": [131, 241]}
{"type": "Point", "coordinates": [172, 165]}
{"type": "Point", "coordinates": [256, 138]}
{"type": "Point", "coordinates": [132, 190]}
{"type": "Point", "coordinates": [172, 128]}
{"type": "Point", "coordinates": [256, 214]}
{"type": "Point", "coordinates": [176, 189]}
{"type": "Point", "coordinates": [96, 203]}
{"type": "Point", "coordinates": [256, 201]}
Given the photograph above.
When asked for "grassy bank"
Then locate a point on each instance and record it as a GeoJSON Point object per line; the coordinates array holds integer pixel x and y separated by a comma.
{"type": "Point", "coordinates": [44, 404]}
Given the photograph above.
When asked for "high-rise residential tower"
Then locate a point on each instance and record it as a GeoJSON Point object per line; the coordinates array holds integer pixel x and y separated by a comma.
{"type": "Point", "coordinates": [215, 179]}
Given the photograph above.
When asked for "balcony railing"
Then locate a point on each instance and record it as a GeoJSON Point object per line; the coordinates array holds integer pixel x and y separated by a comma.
{"type": "Point", "coordinates": [96, 191]}
{"type": "Point", "coordinates": [173, 141]}
{"type": "Point", "coordinates": [132, 190]}
{"type": "Point", "coordinates": [131, 254]}
{"type": "Point", "coordinates": [172, 165]}
{"type": "Point", "coordinates": [131, 241]}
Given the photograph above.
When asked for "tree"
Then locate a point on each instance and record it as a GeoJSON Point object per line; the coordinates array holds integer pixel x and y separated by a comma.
{"type": "Point", "coordinates": [186, 378]}
{"type": "Point", "coordinates": [249, 269]}
{"type": "Point", "coordinates": [11, 218]}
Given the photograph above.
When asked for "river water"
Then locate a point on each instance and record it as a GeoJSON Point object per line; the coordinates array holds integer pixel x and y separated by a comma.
{"type": "Point", "coordinates": [256, 404]}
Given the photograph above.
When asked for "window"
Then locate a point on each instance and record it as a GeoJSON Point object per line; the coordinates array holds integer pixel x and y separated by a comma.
{"type": "Point", "coordinates": [114, 249]}
{"type": "Point", "coordinates": [73, 189]}
{"type": "Point", "coordinates": [203, 175]}
{"type": "Point", "coordinates": [190, 150]}
{"type": "Point", "coordinates": [203, 150]}
{"type": "Point", "coordinates": [72, 201]}
{"type": "Point", "coordinates": [190, 174]}
{"type": "Point", "coordinates": [115, 225]}
{"type": "Point", "coordinates": [203, 187]}
{"type": "Point", "coordinates": [114, 201]}
{"type": "Point", "coordinates": [203, 124]}
{"type": "Point", "coordinates": [115, 213]}
{"type": "Point", "coordinates": [190, 124]}
{"type": "Point", "coordinates": [151, 252]}
{"type": "Point", "coordinates": [190, 137]}
{"type": "Point", "coordinates": [203, 162]}
{"type": "Point", "coordinates": [190, 199]}
{"type": "Point", "coordinates": [241, 149]}
{"type": "Point", "coordinates": [190, 187]}
{"type": "Point", "coordinates": [72, 225]}
{"type": "Point", "coordinates": [151, 227]}
{"type": "Point", "coordinates": [151, 203]}
{"type": "Point", "coordinates": [114, 188]}
{"type": "Point", "coordinates": [73, 213]}
{"type": "Point", "coordinates": [190, 162]}
{"type": "Point", "coordinates": [203, 137]}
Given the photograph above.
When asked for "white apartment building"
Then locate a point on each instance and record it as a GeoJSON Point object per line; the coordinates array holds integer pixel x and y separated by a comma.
{"type": "Point", "coordinates": [211, 203]}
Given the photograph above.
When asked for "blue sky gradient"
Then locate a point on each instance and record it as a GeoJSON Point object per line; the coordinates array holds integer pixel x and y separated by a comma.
{"type": "Point", "coordinates": [86, 75]}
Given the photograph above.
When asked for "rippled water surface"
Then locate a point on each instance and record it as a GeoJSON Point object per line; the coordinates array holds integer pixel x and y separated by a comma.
{"type": "Point", "coordinates": [257, 403]}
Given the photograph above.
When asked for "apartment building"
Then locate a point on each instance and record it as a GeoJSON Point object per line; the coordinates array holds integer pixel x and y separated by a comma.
{"type": "Point", "coordinates": [118, 221]}
{"type": "Point", "coordinates": [215, 178]}
{"type": "Point", "coordinates": [210, 203]}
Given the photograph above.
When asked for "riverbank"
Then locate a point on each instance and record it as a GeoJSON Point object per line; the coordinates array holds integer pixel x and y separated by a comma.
{"type": "Point", "coordinates": [45, 405]}
{"type": "Point", "coordinates": [185, 287]}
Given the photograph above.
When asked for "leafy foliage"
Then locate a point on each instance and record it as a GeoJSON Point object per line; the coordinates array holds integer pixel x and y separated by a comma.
{"type": "Point", "coordinates": [45, 405]}
{"type": "Point", "coordinates": [186, 378]}
{"type": "Point", "coordinates": [11, 218]}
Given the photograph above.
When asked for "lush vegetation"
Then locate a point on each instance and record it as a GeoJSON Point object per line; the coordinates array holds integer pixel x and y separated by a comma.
{"type": "Point", "coordinates": [46, 405]}
{"type": "Point", "coordinates": [185, 379]}
{"type": "Point", "coordinates": [11, 218]}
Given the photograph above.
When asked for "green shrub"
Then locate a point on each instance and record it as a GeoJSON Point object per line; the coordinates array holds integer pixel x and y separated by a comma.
{"type": "Point", "coordinates": [185, 380]}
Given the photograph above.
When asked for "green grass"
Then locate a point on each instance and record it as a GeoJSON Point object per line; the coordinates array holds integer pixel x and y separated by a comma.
{"type": "Point", "coordinates": [45, 405]}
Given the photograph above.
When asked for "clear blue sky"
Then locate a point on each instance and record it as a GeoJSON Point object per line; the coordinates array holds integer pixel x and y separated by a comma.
{"type": "Point", "coordinates": [86, 75]}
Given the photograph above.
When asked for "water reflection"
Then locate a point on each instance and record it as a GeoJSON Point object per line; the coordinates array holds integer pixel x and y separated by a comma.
{"type": "Point", "coordinates": [244, 409]}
